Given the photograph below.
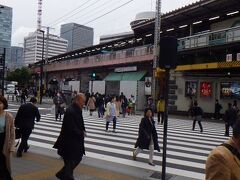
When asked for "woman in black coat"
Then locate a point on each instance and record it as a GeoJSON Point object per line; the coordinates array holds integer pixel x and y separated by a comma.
{"type": "Point", "coordinates": [147, 136]}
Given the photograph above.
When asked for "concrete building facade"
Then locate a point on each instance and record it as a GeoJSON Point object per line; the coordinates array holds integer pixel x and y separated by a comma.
{"type": "Point", "coordinates": [78, 36]}
{"type": "Point", "coordinates": [33, 46]}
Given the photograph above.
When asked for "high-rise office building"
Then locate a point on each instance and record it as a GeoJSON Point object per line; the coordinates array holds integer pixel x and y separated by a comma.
{"type": "Point", "coordinates": [33, 46]}
{"type": "Point", "coordinates": [78, 36]}
{"type": "Point", "coordinates": [5, 31]}
{"type": "Point", "coordinates": [16, 58]}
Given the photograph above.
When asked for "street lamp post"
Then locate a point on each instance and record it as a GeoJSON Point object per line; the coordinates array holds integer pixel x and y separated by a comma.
{"type": "Point", "coordinates": [41, 68]}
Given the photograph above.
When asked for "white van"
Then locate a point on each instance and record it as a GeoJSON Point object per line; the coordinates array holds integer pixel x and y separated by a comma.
{"type": "Point", "coordinates": [10, 89]}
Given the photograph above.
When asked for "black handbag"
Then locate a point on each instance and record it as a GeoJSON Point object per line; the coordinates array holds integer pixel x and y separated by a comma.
{"type": "Point", "coordinates": [18, 134]}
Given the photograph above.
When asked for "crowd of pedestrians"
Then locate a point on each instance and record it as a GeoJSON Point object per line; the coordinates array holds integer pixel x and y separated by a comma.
{"type": "Point", "coordinates": [70, 142]}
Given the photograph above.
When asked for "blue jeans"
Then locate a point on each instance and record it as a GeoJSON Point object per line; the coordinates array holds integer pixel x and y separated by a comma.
{"type": "Point", "coordinates": [100, 111]}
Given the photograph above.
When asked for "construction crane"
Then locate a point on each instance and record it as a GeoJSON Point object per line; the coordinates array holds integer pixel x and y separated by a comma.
{"type": "Point", "coordinates": [39, 15]}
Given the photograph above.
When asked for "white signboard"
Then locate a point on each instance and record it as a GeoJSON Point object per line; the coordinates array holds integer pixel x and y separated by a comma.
{"type": "Point", "coordinates": [148, 85]}
{"type": "Point", "coordinates": [128, 88]}
{"type": "Point", "coordinates": [238, 56]}
{"type": "Point", "coordinates": [75, 85]}
{"type": "Point", "coordinates": [125, 69]}
{"type": "Point", "coordinates": [229, 58]}
{"type": "Point", "coordinates": [98, 87]}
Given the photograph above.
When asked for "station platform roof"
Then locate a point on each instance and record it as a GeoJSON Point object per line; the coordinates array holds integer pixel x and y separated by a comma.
{"type": "Point", "coordinates": [202, 10]}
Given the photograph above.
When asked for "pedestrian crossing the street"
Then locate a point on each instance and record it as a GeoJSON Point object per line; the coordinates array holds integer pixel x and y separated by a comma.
{"type": "Point", "coordinates": [186, 154]}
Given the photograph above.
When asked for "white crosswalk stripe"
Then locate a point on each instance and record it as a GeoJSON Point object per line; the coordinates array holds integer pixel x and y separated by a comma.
{"type": "Point", "coordinates": [186, 154]}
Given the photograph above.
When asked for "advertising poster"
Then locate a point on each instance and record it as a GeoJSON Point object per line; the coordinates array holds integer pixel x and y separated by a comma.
{"type": "Point", "coordinates": [191, 88]}
{"type": "Point", "coordinates": [230, 90]}
{"type": "Point", "coordinates": [225, 90]}
{"type": "Point", "coordinates": [205, 89]}
{"type": "Point", "coordinates": [148, 86]}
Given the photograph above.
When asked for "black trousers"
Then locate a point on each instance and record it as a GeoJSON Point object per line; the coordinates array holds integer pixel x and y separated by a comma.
{"type": "Point", "coordinates": [217, 115]}
{"type": "Point", "coordinates": [199, 123]}
{"type": "Point", "coordinates": [4, 173]}
{"type": "Point", "coordinates": [162, 117]}
{"type": "Point", "coordinates": [66, 173]}
{"type": "Point", "coordinates": [26, 132]}
{"type": "Point", "coordinates": [59, 112]}
{"type": "Point", "coordinates": [227, 126]}
{"type": "Point", "coordinates": [114, 123]}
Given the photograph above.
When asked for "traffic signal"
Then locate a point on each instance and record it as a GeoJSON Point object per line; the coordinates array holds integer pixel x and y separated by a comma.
{"type": "Point", "coordinates": [93, 75]}
{"type": "Point", "coordinates": [168, 52]}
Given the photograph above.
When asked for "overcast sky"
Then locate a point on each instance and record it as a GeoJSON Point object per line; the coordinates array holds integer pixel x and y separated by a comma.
{"type": "Point", "coordinates": [25, 14]}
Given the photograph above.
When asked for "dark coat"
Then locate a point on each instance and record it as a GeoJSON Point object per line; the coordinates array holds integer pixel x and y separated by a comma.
{"type": "Point", "coordinates": [70, 143]}
{"type": "Point", "coordinates": [26, 116]}
{"type": "Point", "coordinates": [146, 130]}
{"type": "Point", "coordinates": [218, 107]}
{"type": "Point", "coordinates": [230, 116]}
{"type": "Point", "coordinates": [197, 111]}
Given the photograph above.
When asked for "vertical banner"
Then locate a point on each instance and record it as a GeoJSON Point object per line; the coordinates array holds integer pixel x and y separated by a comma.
{"type": "Point", "coordinates": [205, 89]}
{"type": "Point", "coordinates": [191, 88]}
{"type": "Point", "coordinates": [148, 85]}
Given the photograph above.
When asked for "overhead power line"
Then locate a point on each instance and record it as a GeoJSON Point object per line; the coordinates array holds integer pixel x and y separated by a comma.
{"type": "Point", "coordinates": [94, 19]}
{"type": "Point", "coordinates": [65, 16]}
{"type": "Point", "coordinates": [108, 12]}
{"type": "Point", "coordinates": [97, 8]}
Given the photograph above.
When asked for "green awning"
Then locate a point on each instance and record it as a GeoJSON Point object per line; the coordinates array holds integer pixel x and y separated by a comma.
{"type": "Point", "coordinates": [125, 76]}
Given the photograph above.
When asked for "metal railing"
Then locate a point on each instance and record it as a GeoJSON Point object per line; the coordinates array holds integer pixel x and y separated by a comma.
{"type": "Point", "coordinates": [213, 38]}
{"type": "Point", "coordinates": [109, 56]}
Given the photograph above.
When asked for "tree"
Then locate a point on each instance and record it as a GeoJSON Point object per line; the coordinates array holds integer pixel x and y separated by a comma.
{"type": "Point", "coordinates": [22, 76]}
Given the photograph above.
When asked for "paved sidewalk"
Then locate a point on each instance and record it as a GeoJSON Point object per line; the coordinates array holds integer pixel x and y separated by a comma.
{"type": "Point", "coordinates": [42, 164]}
{"type": "Point", "coordinates": [39, 167]}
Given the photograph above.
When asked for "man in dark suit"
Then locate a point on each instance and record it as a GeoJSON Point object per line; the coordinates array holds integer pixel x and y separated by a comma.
{"type": "Point", "coordinates": [230, 118]}
{"type": "Point", "coordinates": [70, 143]}
{"type": "Point", "coordinates": [25, 120]}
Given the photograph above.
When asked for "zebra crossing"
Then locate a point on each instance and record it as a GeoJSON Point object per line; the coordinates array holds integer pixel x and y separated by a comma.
{"type": "Point", "coordinates": [186, 154]}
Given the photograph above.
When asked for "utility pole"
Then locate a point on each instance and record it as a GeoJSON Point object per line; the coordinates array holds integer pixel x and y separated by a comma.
{"type": "Point", "coordinates": [155, 84]}
{"type": "Point", "coordinates": [41, 66]}
{"type": "Point", "coordinates": [2, 67]}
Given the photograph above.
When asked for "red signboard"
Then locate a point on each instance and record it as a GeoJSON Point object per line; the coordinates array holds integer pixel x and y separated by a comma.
{"type": "Point", "coordinates": [205, 89]}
